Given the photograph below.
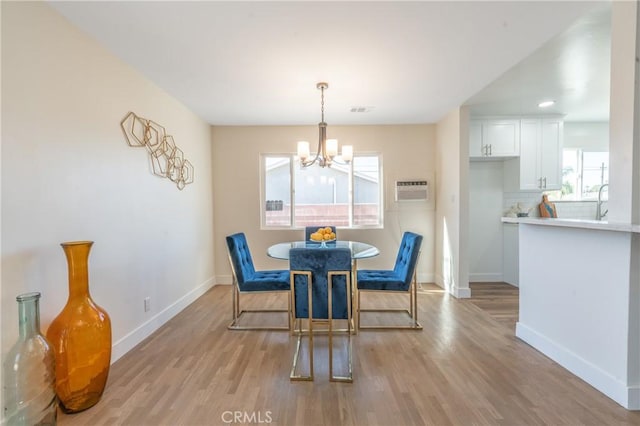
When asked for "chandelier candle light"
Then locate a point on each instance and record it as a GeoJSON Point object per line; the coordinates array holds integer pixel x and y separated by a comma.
{"type": "Point", "coordinates": [327, 148]}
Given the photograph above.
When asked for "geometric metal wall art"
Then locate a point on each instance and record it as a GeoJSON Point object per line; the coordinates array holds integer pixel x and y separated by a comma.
{"type": "Point", "coordinates": [167, 160]}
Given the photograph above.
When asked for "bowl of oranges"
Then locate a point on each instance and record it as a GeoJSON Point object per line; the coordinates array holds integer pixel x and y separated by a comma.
{"type": "Point", "coordinates": [323, 235]}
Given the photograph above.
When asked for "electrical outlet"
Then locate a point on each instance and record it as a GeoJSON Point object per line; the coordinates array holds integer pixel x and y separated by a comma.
{"type": "Point", "coordinates": [147, 304]}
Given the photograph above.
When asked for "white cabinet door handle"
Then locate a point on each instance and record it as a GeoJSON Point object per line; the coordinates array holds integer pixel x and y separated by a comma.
{"type": "Point", "coordinates": [545, 183]}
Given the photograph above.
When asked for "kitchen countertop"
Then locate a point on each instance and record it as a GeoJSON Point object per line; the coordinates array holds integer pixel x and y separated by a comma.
{"type": "Point", "coordinates": [574, 223]}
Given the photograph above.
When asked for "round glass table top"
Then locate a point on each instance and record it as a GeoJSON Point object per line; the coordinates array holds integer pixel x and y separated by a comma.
{"type": "Point", "coordinates": [358, 250]}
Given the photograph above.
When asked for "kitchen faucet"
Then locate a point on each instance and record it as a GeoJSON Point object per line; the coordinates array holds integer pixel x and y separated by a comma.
{"type": "Point", "coordinates": [599, 214]}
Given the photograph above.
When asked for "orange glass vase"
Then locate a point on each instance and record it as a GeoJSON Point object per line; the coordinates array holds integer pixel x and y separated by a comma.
{"type": "Point", "coordinates": [81, 338]}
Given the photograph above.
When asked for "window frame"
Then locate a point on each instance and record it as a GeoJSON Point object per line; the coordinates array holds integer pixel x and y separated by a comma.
{"type": "Point", "coordinates": [294, 162]}
{"type": "Point", "coordinates": [582, 173]}
{"type": "Point", "coordinates": [579, 187]}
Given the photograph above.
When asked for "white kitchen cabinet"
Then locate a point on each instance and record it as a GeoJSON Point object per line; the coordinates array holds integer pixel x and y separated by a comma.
{"type": "Point", "coordinates": [502, 137]}
{"type": "Point", "coordinates": [494, 138]}
{"type": "Point", "coordinates": [541, 154]}
{"type": "Point", "coordinates": [475, 138]}
{"type": "Point", "coordinates": [551, 153]}
{"type": "Point", "coordinates": [530, 135]}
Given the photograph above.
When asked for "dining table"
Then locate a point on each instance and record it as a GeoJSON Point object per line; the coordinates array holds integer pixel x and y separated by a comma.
{"type": "Point", "coordinates": [359, 250]}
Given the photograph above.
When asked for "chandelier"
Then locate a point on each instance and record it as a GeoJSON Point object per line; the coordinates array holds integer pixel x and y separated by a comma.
{"type": "Point", "coordinates": [327, 148]}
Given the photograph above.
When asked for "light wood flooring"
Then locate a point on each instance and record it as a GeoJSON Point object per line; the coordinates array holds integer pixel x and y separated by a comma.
{"type": "Point", "coordinates": [465, 368]}
{"type": "Point", "coordinates": [499, 300]}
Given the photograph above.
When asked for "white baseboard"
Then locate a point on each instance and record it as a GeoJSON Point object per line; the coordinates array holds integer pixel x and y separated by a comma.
{"type": "Point", "coordinates": [485, 277]}
{"type": "Point", "coordinates": [461, 293]}
{"type": "Point", "coordinates": [458, 293]}
{"type": "Point", "coordinates": [633, 398]}
{"type": "Point", "coordinates": [627, 396]}
{"type": "Point", "coordinates": [129, 341]}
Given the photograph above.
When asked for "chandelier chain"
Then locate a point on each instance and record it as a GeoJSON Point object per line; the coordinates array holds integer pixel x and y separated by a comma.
{"type": "Point", "coordinates": [322, 103]}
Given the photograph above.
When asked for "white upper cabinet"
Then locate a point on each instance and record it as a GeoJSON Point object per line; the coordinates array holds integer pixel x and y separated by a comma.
{"type": "Point", "coordinates": [541, 154]}
{"type": "Point", "coordinates": [502, 137]}
{"type": "Point", "coordinates": [494, 138]}
{"type": "Point", "coordinates": [529, 154]}
{"type": "Point", "coordinates": [551, 153]}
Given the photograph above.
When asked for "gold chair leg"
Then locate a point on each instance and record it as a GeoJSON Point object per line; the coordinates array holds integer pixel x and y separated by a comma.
{"type": "Point", "coordinates": [289, 315]}
{"type": "Point", "coordinates": [236, 312]}
{"type": "Point", "coordinates": [415, 301]}
{"type": "Point", "coordinates": [348, 289]}
{"type": "Point", "coordinates": [292, 305]}
{"type": "Point", "coordinates": [358, 311]}
{"type": "Point", "coordinates": [355, 298]}
{"type": "Point", "coordinates": [293, 376]}
{"type": "Point", "coordinates": [412, 312]}
{"type": "Point", "coordinates": [234, 300]}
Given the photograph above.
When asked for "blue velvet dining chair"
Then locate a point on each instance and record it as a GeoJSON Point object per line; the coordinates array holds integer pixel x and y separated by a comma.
{"type": "Point", "coordinates": [320, 292]}
{"type": "Point", "coordinates": [247, 280]}
{"type": "Point", "coordinates": [311, 229]}
{"type": "Point", "coordinates": [402, 279]}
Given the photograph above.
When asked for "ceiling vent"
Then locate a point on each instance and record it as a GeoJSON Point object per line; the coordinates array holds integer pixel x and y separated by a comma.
{"type": "Point", "coordinates": [361, 109]}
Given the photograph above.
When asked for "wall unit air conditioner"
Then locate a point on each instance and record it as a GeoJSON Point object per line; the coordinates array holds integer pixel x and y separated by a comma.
{"type": "Point", "coordinates": [412, 190]}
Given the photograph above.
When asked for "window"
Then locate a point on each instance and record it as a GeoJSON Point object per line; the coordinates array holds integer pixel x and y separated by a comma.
{"type": "Point", "coordinates": [595, 173]}
{"type": "Point", "coordinates": [276, 200]}
{"type": "Point", "coordinates": [583, 172]}
{"type": "Point", "coordinates": [348, 196]}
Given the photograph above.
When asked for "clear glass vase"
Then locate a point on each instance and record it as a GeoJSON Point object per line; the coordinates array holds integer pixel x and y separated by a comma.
{"type": "Point", "coordinates": [81, 338]}
{"type": "Point", "coordinates": [29, 371]}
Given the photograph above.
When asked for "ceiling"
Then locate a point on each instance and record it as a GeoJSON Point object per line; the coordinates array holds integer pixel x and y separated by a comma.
{"type": "Point", "coordinates": [257, 63]}
{"type": "Point", "coordinates": [572, 69]}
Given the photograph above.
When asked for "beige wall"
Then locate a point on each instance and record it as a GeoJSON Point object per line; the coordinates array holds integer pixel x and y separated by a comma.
{"type": "Point", "coordinates": [452, 213]}
{"type": "Point", "coordinates": [68, 174]}
{"type": "Point", "coordinates": [408, 153]}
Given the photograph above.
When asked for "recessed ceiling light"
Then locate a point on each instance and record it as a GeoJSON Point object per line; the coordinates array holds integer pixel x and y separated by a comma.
{"type": "Point", "coordinates": [546, 104]}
